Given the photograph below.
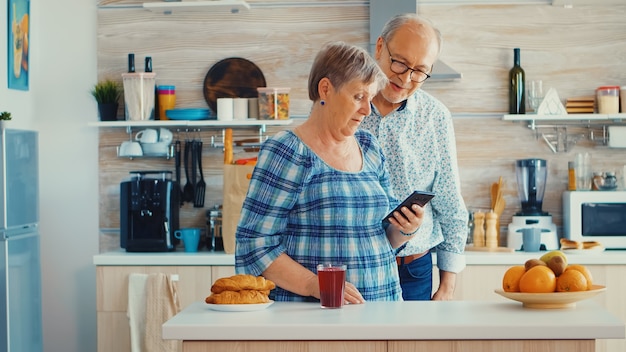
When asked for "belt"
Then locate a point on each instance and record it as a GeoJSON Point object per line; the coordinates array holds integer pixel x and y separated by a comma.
{"type": "Point", "coordinates": [409, 258]}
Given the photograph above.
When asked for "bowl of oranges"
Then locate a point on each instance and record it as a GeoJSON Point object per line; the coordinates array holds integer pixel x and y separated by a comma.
{"type": "Point", "coordinates": [549, 282]}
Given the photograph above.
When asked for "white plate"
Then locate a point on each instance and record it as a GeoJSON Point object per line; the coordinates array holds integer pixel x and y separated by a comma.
{"type": "Point", "coordinates": [239, 307]}
{"type": "Point", "coordinates": [584, 251]}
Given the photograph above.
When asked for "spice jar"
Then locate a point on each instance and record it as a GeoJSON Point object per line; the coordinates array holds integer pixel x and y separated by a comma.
{"type": "Point", "coordinates": [597, 181]}
{"type": "Point", "coordinates": [607, 99]}
{"type": "Point", "coordinates": [610, 180]}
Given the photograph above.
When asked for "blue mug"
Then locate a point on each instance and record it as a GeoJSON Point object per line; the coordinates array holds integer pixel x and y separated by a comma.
{"type": "Point", "coordinates": [190, 237]}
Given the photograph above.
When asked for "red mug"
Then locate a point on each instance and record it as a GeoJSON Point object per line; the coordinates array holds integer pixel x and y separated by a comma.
{"type": "Point", "coordinates": [332, 281]}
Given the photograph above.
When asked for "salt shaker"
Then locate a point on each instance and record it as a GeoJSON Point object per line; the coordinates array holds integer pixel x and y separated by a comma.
{"type": "Point", "coordinates": [491, 231]}
{"type": "Point", "coordinates": [479, 229]}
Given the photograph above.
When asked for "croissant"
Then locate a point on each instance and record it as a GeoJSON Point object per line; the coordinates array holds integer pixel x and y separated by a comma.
{"type": "Point", "coordinates": [242, 282]}
{"type": "Point", "coordinates": [238, 297]}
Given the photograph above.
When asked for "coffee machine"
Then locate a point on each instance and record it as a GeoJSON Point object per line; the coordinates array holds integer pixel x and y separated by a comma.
{"type": "Point", "coordinates": [531, 184]}
{"type": "Point", "coordinates": [149, 212]}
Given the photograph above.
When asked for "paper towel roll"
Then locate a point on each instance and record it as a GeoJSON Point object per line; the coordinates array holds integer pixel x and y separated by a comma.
{"type": "Point", "coordinates": [240, 108]}
{"type": "Point", "coordinates": [225, 109]}
{"type": "Point", "coordinates": [617, 136]}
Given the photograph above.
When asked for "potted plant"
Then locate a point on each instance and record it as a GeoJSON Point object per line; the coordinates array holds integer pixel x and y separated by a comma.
{"type": "Point", "coordinates": [4, 116]}
{"type": "Point", "coordinates": [107, 94]}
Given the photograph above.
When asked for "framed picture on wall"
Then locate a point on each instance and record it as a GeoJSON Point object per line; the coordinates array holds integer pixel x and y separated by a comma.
{"type": "Point", "coordinates": [18, 43]}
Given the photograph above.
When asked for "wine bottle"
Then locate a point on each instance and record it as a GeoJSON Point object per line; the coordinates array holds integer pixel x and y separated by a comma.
{"type": "Point", "coordinates": [517, 95]}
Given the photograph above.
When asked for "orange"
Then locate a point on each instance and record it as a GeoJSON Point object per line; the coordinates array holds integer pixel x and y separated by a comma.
{"type": "Point", "coordinates": [538, 279]}
{"type": "Point", "coordinates": [571, 281]}
{"type": "Point", "coordinates": [585, 271]}
{"type": "Point", "coordinates": [510, 280]}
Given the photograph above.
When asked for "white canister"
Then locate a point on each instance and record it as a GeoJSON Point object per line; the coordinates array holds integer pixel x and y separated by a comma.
{"type": "Point", "coordinates": [240, 108]}
{"type": "Point", "coordinates": [225, 108]}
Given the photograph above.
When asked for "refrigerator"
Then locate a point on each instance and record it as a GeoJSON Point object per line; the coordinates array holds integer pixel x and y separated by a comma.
{"type": "Point", "coordinates": [20, 269]}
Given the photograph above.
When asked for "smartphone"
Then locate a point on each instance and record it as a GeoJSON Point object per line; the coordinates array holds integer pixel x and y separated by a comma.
{"type": "Point", "coordinates": [420, 198]}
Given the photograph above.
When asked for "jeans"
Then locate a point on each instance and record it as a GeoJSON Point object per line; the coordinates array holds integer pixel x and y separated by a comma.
{"type": "Point", "coordinates": [416, 279]}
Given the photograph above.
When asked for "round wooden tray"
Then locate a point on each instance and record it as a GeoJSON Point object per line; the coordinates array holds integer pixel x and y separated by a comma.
{"type": "Point", "coordinates": [234, 77]}
{"type": "Point", "coordinates": [552, 299]}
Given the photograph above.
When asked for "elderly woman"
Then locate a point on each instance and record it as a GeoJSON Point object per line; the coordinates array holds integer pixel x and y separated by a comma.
{"type": "Point", "coordinates": [318, 193]}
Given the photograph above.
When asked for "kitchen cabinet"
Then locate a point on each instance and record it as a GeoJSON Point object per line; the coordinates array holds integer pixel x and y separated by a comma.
{"type": "Point", "coordinates": [194, 283]}
{"type": "Point", "coordinates": [197, 273]}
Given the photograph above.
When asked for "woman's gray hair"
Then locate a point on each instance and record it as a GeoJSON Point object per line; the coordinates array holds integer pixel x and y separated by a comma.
{"type": "Point", "coordinates": [398, 21]}
{"type": "Point", "coordinates": [342, 63]}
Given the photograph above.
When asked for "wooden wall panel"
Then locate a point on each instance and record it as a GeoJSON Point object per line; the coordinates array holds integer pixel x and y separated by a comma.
{"type": "Point", "coordinates": [574, 50]}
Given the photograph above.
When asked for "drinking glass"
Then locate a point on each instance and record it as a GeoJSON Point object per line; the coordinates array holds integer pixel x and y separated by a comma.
{"type": "Point", "coordinates": [332, 281]}
{"type": "Point", "coordinates": [535, 94]}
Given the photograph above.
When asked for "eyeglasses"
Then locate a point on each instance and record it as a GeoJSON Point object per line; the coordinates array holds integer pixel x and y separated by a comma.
{"type": "Point", "coordinates": [399, 67]}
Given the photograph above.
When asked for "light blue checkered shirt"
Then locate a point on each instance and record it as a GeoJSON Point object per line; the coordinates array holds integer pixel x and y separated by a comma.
{"type": "Point", "coordinates": [298, 205]}
{"type": "Point", "coordinates": [420, 150]}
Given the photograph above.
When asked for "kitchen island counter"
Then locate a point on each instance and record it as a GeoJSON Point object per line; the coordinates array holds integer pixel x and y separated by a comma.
{"type": "Point", "coordinates": [484, 326]}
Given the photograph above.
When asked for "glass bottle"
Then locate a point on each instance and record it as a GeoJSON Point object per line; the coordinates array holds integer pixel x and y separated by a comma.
{"type": "Point", "coordinates": [571, 176]}
{"type": "Point", "coordinates": [517, 78]}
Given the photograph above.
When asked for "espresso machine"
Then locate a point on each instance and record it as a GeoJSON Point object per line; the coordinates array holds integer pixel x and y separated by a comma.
{"type": "Point", "coordinates": [149, 212]}
{"type": "Point", "coordinates": [531, 184]}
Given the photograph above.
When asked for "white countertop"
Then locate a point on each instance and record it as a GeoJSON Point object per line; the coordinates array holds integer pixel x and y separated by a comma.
{"type": "Point", "coordinates": [122, 257]}
{"type": "Point", "coordinates": [411, 320]}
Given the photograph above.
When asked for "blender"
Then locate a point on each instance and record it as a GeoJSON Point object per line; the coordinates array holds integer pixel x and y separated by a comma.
{"type": "Point", "coordinates": [531, 184]}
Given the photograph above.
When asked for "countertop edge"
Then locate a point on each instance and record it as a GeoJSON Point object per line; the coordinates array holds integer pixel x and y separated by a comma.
{"type": "Point", "coordinates": [123, 258]}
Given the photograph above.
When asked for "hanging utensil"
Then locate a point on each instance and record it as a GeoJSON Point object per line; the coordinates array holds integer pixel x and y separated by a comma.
{"type": "Point", "coordinates": [201, 185]}
{"type": "Point", "coordinates": [177, 169]}
{"type": "Point", "coordinates": [188, 189]}
{"type": "Point", "coordinates": [194, 170]}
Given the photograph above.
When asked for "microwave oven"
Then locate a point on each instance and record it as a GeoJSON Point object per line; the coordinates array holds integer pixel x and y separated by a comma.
{"type": "Point", "coordinates": [595, 216]}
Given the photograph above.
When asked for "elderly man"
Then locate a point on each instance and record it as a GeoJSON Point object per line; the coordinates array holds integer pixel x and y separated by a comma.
{"type": "Point", "coordinates": [416, 133]}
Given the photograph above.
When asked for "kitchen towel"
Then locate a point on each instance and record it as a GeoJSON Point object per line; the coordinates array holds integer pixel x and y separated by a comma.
{"type": "Point", "coordinates": [162, 303]}
{"type": "Point", "coordinates": [137, 310]}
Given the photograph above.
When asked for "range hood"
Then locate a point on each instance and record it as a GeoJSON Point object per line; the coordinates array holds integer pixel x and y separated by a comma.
{"type": "Point", "coordinates": [381, 11]}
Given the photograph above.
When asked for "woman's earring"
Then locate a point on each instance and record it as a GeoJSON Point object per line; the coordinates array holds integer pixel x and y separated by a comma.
{"type": "Point", "coordinates": [322, 102]}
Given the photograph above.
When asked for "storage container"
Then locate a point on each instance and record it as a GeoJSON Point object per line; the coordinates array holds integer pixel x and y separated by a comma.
{"type": "Point", "coordinates": [607, 99]}
{"type": "Point", "coordinates": [139, 88]}
{"type": "Point", "coordinates": [273, 103]}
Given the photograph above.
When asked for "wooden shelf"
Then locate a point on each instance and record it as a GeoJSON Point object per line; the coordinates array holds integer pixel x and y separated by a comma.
{"type": "Point", "coordinates": [192, 123]}
{"type": "Point", "coordinates": [568, 117]}
{"type": "Point", "coordinates": [169, 7]}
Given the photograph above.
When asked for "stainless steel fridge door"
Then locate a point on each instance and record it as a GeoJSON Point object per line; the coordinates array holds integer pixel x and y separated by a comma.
{"type": "Point", "coordinates": [20, 292]}
{"type": "Point", "coordinates": [19, 178]}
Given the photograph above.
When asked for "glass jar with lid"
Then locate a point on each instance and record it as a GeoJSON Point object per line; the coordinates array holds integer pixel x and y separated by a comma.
{"type": "Point", "coordinates": [607, 99]}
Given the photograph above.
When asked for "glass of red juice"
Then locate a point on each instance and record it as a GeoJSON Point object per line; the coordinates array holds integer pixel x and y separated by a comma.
{"type": "Point", "coordinates": [332, 280]}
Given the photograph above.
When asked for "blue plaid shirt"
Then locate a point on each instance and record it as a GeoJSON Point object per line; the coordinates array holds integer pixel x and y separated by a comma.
{"type": "Point", "coordinates": [298, 205]}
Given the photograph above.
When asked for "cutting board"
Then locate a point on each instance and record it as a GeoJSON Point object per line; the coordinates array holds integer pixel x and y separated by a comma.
{"type": "Point", "coordinates": [234, 77]}
{"type": "Point", "coordinates": [486, 249]}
